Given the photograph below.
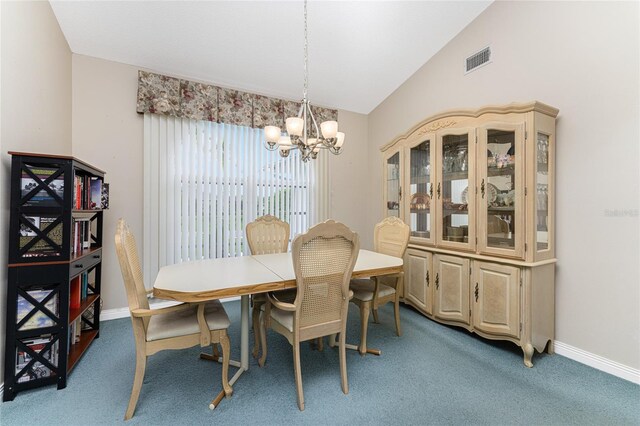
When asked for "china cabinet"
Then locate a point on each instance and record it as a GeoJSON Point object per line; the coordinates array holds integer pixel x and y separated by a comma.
{"type": "Point", "coordinates": [477, 190]}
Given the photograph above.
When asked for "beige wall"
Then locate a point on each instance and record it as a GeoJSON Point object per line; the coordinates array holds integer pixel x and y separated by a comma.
{"type": "Point", "coordinates": [35, 104]}
{"type": "Point", "coordinates": [108, 132]}
{"type": "Point", "coordinates": [583, 59]}
{"type": "Point", "coordinates": [349, 177]}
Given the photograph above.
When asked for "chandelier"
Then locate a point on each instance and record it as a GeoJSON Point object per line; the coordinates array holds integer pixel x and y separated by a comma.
{"type": "Point", "coordinates": [302, 131]}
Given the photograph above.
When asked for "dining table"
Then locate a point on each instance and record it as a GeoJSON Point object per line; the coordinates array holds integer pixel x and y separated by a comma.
{"type": "Point", "coordinates": [200, 281]}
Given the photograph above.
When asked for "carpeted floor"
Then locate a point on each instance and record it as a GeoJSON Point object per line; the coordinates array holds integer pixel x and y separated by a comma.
{"type": "Point", "coordinates": [433, 374]}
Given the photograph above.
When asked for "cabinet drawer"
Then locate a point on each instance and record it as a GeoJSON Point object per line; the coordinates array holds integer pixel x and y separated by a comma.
{"type": "Point", "coordinates": [85, 262]}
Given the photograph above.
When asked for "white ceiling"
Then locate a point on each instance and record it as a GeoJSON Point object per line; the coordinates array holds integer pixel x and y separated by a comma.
{"type": "Point", "coordinates": [359, 51]}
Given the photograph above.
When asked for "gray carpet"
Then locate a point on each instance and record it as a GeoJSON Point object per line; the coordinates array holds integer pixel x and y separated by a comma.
{"type": "Point", "coordinates": [433, 374]}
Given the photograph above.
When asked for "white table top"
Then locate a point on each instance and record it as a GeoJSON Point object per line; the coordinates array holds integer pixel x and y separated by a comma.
{"type": "Point", "coordinates": [369, 263]}
{"type": "Point", "coordinates": [202, 280]}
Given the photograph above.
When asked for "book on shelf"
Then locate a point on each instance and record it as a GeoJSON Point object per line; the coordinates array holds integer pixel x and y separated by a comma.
{"type": "Point", "coordinates": [39, 319]}
{"type": "Point", "coordinates": [41, 198]}
{"type": "Point", "coordinates": [78, 329]}
{"type": "Point", "coordinates": [37, 369]}
{"type": "Point", "coordinates": [41, 247]}
{"type": "Point", "coordinates": [105, 196]}
{"type": "Point", "coordinates": [75, 330]}
{"type": "Point", "coordinates": [83, 285]}
{"type": "Point", "coordinates": [81, 237]}
{"type": "Point", "coordinates": [75, 295]}
{"type": "Point", "coordinates": [96, 193]}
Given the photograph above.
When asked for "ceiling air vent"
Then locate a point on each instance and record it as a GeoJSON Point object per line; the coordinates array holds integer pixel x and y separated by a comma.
{"type": "Point", "coordinates": [477, 60]}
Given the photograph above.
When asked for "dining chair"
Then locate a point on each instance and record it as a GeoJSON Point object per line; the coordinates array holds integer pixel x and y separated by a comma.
{"type": "Point", "coordinates": [323, 260]}
{"type": "Point", "coordinates": [391, 237]}
{"type": "Point", "coordinates": [175, 327]}
{"type": "Point", "coordinates": [266, 235]}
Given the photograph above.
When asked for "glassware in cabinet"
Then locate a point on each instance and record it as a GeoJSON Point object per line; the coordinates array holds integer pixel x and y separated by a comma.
{"type": "Point", "coordinates": [500, 196]}
{"type": "Point", "coordinates": [420, 217]}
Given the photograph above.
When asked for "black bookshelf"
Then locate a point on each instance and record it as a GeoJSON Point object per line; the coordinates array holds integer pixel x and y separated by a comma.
{"type": "Point", "coordinates": [55, 262]}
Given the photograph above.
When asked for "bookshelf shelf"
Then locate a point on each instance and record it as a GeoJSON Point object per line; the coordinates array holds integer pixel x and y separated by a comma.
{"type": "Point", "coordinates": [54, 268]}
{"type": "Point", "coordinates": [75, 313]}
{"type": "Point", "coordinates": [80, 348]}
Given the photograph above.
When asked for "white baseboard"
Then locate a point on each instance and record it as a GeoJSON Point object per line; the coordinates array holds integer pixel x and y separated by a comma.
{"type": "Point", "coordinates": [598, 362]}
{"type": "Point", "coordinates": [117, 313]}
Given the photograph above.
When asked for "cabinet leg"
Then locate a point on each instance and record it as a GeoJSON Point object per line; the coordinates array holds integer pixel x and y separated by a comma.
{"type": "Point", "coordinates": [8, 395]}
{"type": "Point", "coordinates": [62, 383]}
{"type": "Point", "coordinates": [528, 354]}
{"type": "Point", "coordinates": [551, 348]}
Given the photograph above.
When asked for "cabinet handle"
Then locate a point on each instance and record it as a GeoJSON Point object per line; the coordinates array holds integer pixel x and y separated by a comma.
{"type": "Point", "coordinates": [482, 188]}
{"type": "Point", "coordinates": [438, 190]}
{"type": "Point", "coordinates": [430, 192]}
{"type": "Point", "coordinates": [78, 265]}
{"type": "Point", "coordinates": [437, 281]}
{"type": "Point", "coordinates": [96, 256]}
{"type": "Point", "coordinates": [476, 292]}
{"type": "Point", "coordinates": [400, 193]}
{"type": "Point", "coordinates": [427, 278]}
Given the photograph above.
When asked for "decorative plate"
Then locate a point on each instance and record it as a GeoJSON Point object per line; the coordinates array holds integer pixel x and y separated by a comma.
{"type": "Point", "coordinates": [492, 193]}
{"type": "Point", "coordinates": [420, 200]}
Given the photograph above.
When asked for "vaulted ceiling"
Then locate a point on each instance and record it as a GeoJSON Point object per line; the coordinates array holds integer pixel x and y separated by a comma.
{"type": "Point", "coordinates": [359, 51]}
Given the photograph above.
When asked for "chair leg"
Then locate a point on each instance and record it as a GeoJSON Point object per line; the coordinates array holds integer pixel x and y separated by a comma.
{"type": "Point", "coordinates": [375, 315]}
{"type": "Point", "coordinates": [215, 352]}
{"type": "Point", "coordinates": [343, 363]}
{"type": "Point", "coordinates": [255, 316]}
{"type": "Point", "coordinates": [263, 339]}
{"type": "Point", "coordinates": [320, 343]}
{"type": "Point", "coordinates": [141, 363]}
{"type": "Point", "coordinates": [296, 367]}
{"type": "Point", "coordinates": [364, 322]}
{"type": "Point", "coordinates": [396, 311]}
{"type": "Point", "coordinates": [226, 355]}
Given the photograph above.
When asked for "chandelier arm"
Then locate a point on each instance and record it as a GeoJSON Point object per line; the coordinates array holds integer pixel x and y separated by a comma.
{"type": "Point", "coordinates": [315, 124]}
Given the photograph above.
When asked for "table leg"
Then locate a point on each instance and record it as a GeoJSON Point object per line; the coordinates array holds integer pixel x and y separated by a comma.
{"type": "Point", "coordinates": [244, 332]}
{"type": "Point", "coordinates": [244, 349]}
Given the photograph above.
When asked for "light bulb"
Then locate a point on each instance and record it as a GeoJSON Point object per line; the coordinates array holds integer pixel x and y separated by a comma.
{"type": "Point", "coordinates": [340, 141]}
{"type": "Point", "coordinates": [272, 133]}
{"type": "Point", "coordinates": [329, 129]}
{"type": "Point", "coordinates": [295, 126]}
{"type": "Point", "coordinates": [284, 141]}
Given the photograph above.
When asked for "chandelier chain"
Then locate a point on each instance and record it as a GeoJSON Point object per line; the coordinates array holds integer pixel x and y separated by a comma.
{"type": "Point", "coordinates": [306, 54]}
{"type": "Point", "coordinates": [302, 131]}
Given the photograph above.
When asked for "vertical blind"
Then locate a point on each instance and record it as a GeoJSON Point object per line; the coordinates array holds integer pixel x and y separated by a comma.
{"type": "Point", "coordinates": [204, 181]}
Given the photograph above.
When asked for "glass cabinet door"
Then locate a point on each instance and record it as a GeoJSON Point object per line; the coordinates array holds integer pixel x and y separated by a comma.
{"type": "Point", "coordinates": [421, 217]}
{"type": "Point", "coordinates": [543, 178]}
{"type": "Point", "coordinates": [393, 189]}
{"type": "Point", "coordinates": [500, 197]}
{"type": "Point", "coordinates": [455, 189]}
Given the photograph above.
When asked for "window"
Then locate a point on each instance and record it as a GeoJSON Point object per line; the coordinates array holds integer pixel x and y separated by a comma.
{"type": "Point", "coordinates": [204, 181]}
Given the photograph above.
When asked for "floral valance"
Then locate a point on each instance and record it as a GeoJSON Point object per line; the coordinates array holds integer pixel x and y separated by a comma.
{"type": "Point", "coordinates": [160, 94]}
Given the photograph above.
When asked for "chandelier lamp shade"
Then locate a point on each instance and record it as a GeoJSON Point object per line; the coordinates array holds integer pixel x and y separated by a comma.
{"type": "Point", "coordinates": [302, 132]}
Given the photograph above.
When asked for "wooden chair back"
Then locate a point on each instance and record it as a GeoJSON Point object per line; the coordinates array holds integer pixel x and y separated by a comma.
{"type": "Point", "coordinates": [131, 270]}
{"type": "Point", "coordinates": [391, 237]}
{"type": "Point", "coordinates": [323, 260]}
{"type": "Point", "coordinates": [267, 235]}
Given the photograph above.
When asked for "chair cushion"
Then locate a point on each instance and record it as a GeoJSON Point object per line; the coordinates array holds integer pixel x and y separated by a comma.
{"type": "Point", "coordinates": [363, 289]}
{"type": "Point", "coordinates": [183, 323]}
{"type": "Point", "coordinates": [285, 318]}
